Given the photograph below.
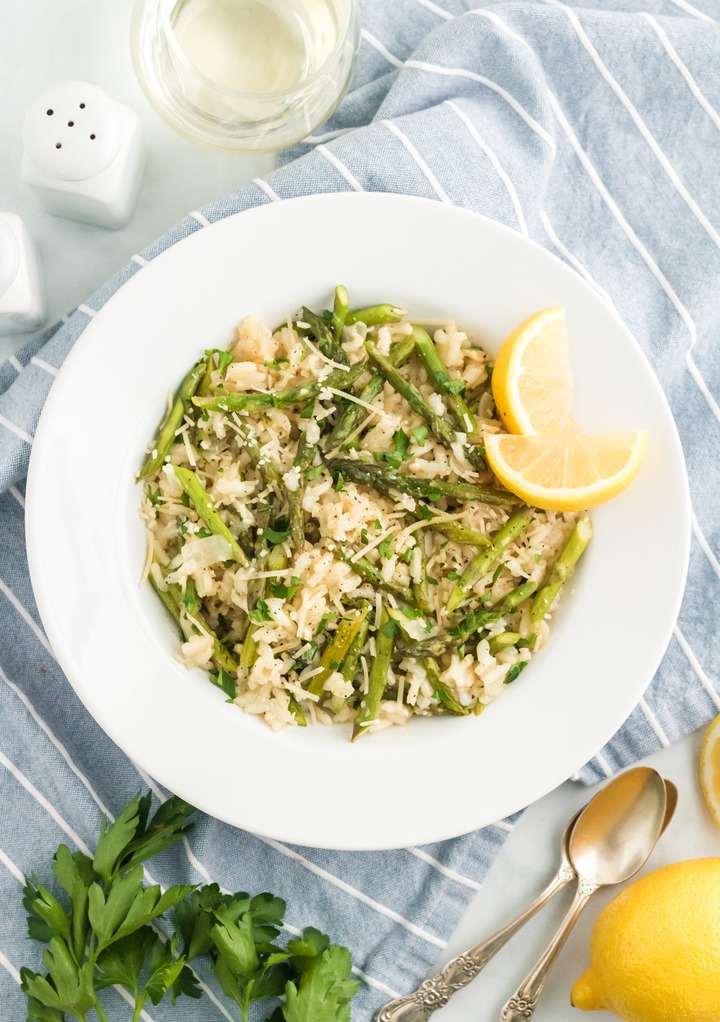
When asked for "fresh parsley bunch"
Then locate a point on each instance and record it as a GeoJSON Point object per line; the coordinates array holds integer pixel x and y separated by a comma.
{"type": "Point", "coordinates": [104, 931]}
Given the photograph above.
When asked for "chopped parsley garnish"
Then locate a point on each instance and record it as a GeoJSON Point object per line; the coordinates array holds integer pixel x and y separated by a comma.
{"type": "Point", "coordinates": [411, 612]}
{"type": "Point", "coordinates": [181, 522]}
{"type": "Point", "coordinates": [447, 385]}
{"type": "Point", "coordinates": [385, 549]}
{"type": "Point", "coordinates": [389, 629]}
{"type": "Point", "coordinates": [425, 512]}
{"type": "Point", "coordinates": [285, 591]}
{"type": "Point", "coordinates": [378, 524]}
{"type": "Point", "coordinates": [203, 533]}
{"type": "Point", "coordinates": [281, 534]}
{"type": "Point", "coordinates": [308, 410]}
{"type": "Point", "coordinates": [224, 358]}
{"type": "Point", "coordinates": [261, 612]}
{"type": "Point", "coordinates": [496, 573]}
{"type": "Point", "coordinates": [184, 499]}
{"type": "Point", "coordinates": [225, 682]}
{"type": "Point", "coordinates": [364, 537]}
{"type": "Point", "coordinates": [395, 458]}
{"type": "Point", "coordinates": [432, 581]}
{"type": "Point", "coordinates": [538, 558]}
{"type": "Point", "coordinates": [453, 575]}
{"type": "Point", "coordinates": [323, 621]}
{"type": "Point", "coordinates": [420, 435]}
{"type": "Point", "coordinates": [277, 364]}
{"type": "Point", "coordinates": [155, 496]}
{"type": "Point", "coordinates": [313, 473]}
{"type": "Point", "coordinates": [339, 483]}
{"type": "Point", "coordinates": [515, 671]}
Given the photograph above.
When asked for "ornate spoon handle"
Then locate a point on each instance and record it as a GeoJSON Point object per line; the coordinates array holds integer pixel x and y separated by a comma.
{"type": "Point", "coordinates": [435, 992]}
{"type": "Point", "coordinates": [521, 1006]}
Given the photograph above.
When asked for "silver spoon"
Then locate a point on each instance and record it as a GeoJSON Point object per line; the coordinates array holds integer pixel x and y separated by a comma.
{"type": "Point", "coordinates": [435, 992]}
{"type": "Point", "coordinates": [610, 842]}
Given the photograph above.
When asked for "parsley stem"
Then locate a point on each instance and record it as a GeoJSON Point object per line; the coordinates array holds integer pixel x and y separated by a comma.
{"type": "Point", "coordinates": [139, 1005]}
{"type": "Point", "coordinates": [101, 1014]}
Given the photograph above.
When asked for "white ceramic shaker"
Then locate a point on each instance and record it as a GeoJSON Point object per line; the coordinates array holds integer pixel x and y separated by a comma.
{"type": "Point", "coordinates": [22, 305]}
{"type": "Point", "coordinates": [83, 154]}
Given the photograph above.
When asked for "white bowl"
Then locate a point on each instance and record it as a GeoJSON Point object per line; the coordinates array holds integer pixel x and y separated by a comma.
{"type": "Point", "coordinates": [435, 778]}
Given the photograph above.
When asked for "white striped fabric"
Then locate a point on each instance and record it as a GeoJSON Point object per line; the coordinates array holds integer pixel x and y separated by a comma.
{"type": "Point", "coordinates": [589, 128]}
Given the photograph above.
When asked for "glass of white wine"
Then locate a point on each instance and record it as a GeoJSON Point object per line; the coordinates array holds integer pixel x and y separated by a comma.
{"type": "Point", "coordinates": [252, 75]}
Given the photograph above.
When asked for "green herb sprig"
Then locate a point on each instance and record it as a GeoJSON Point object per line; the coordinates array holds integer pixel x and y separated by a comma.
{"type": "Point", "coordinates": [102, 930]}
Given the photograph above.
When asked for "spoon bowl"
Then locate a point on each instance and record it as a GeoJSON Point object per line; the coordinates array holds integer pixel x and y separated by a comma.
{"type": "Point", "coordinates": [618, 829]}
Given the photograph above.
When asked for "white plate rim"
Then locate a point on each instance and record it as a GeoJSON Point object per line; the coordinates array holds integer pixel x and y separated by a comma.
{"type": "Point", "coordinates": [428, 827]}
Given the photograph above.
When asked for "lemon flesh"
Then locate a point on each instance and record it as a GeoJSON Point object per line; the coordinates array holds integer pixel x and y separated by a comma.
{"type": "Point", "coordinates": [531, 381]}
{"type": "Point", "coordinates": [568, 471]}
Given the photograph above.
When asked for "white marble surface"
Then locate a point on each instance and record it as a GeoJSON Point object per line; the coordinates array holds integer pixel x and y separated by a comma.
{"type": "Point", "coordinates": [47, 42]}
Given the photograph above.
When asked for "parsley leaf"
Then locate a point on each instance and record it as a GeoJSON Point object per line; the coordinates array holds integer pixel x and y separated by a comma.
{"type": "Point", "coordinates": [279, 534]}
{"type": "Point", "coordinates": [285, 591]}
{"type": "Point", "coordinates": [224, 681]}
{"type": "Point", "coordinates": [420, 435]}
{"type": "Point", "coordinates": [224, 358]}
{"type": "Point", "coordinates": [325, 989]}
{"type": "Point", "coordinates": [385, 549]}
{"type": "Point", "coordinates": [339, 483]}
{"type": "Point", "coordinates": [313, 473]}
{"type": "Point", "coordinates": [515, 671]}
{"type": "Point", "coordinates": [308, 410]}
{"type": "Point", "coordinates": [155, 496]}
{"type": "Point", "coordinates": [261, 612]}
{"type": "Point", "coordinates": [496, 573]}
{"type": "Point", "coordinates": [364, 537]}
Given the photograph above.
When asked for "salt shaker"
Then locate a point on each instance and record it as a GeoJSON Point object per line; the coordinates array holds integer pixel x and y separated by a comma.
{"type": "Point", "coordinates": [22, 306]}
{"type": "Point", "coordinates": [83, 154]}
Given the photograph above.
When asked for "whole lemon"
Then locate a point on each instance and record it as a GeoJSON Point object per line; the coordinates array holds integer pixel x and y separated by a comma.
{"type": "Point", "coordinates": [655, 949]}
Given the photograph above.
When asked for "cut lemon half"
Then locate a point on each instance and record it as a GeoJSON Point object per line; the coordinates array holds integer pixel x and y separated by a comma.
{"type": "Point", "coordinates": [566, 472]}
{"type": "Point", "coordinates": [531, 380]}
{"type": "Point", "coordinates": [710, 769]}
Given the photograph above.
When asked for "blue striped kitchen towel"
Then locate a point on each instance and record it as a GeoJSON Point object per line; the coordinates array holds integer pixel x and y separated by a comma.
{"type": "Point", "coordinates": [592, 127]}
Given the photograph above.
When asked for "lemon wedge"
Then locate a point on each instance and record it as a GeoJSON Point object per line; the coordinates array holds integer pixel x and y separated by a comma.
{"type": "Point", "coordinates": [710, 769]}
{"type": "Point", "coordinates": [568, 471]}
{"type": "Point", "coordinates": [531, 381]}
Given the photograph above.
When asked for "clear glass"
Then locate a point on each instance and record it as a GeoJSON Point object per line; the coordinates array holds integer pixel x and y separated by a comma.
{"type": "Point", "coordinates": [252, 75]}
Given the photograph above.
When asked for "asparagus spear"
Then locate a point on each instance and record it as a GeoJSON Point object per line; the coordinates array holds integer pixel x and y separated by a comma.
{"type": "Point", "coordinates": [205, 507]}
{"type": "Point", "coordinates": [472, 623]}
{"type": "Point", "coordinates": [338, 379]}
{"type": "Point", "coordinates": [173, 420]}
{"type": "Point", "coordinates": [377, 682]}
{"type": "Point", "coordinates": [443, 643]}
{"type": "Point", "coordinates": [336, 650]}
{"type": "Point", "coordinates": [248, 653]}
{"type": "Point", "coordinates": [440, 689]}
{"type": "Point", "coordinates": [327, 342]}
{"type": "Point", "coordinates": [296, 710]}
{"type": "Point", "coordinates": [562, 569]}
{"type": "Point", "coordinates": [389, 481]}
{"type": "Point", "coordinates": [481, 564]}
{"type": "Point", "coordinates": [515, 597]}
{"type": "Point", "coordinates": [439, 426]}
{"type": "Point", "coordinates": [452, 392]}
{"type": "Point", "coordinates": [205, 385]}
{"type": "Point", "coordinates": [421, 589]}
{"type": "Point", "coordinates": [457, 532]}
{"type": "Point", "coordinates": [503, 641]}
{"type": "Point", "coordinates": [375, 315]}
{"type": "Point", "coordinates": [349, 419]}
{"type": "Point", "coordinates": [303, 460]}
{"type": "Point", "coordinates": [352, 657]}
{"type": "Point", "coordinates": [341, 308]}
{"type": "Point", "coordinates": [367, 570]}
{"type": "Point", "coordinates": [172, 598]}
